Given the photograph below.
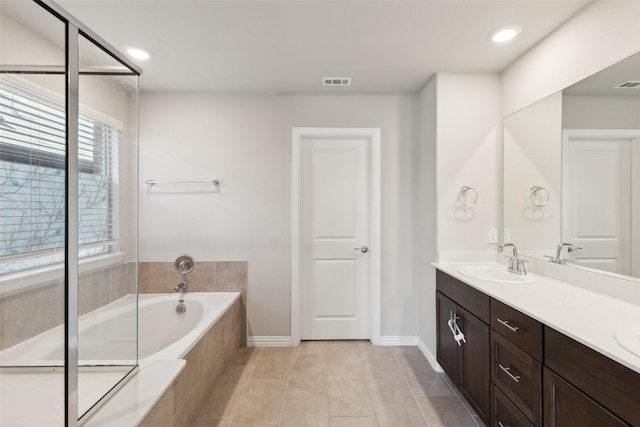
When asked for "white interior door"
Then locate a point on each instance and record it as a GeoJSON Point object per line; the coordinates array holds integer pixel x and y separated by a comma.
{"type": "Point", "coordinates": [334, 238]}
{"type": "Point", "coordinates": [596, 197]}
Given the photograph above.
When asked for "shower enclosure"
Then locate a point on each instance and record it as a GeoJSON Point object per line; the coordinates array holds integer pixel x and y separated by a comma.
{"type": "Point", "coordinates": [68, 216]}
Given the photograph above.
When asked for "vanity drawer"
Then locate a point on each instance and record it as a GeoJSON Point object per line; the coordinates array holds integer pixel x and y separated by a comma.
{"type": "Point", "coordinates": [505, 413]}
{"type": "Point", "coordinates": [474, 301]}
{"type": "Point", "coordinates": [518, 328]}
{"type": "Point", "coordinates": [518, 376]}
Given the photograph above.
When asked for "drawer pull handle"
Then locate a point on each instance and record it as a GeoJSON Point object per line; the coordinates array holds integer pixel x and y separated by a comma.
{"type": "Point", "coordinates": [506, 323]}
{"type": "Point", "coordinates": [516, 378]}
{"type": "Point", "coordinates": [502, 425]}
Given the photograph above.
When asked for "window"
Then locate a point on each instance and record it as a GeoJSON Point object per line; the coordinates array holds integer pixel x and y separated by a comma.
{"type": "Point", "coordinates": [32, 180]}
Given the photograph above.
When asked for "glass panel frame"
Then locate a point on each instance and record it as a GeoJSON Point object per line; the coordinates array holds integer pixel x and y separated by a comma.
{"type": "Point", "coordinates": [68, 69]}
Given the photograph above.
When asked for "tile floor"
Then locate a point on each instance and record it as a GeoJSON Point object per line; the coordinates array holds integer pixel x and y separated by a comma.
{"type": "Point", "coordinates": [336, 384]}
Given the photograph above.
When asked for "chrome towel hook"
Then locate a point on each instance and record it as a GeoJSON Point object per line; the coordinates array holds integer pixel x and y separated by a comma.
{"type": "Point", "coordinates": [463, 194]}
{"type": "Point", "coordinates": [539, 196]}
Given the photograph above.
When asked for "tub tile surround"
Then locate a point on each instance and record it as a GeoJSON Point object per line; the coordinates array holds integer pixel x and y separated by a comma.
{"type": "Point", "coordinates": [22, 315]}
{"type": "Point", "coordinates": [170, 395]}
{"type": "Point", "coordinates": [206, 276]}
{"type": "Point", "coordinates": [333, 383]}
{"type": "Point", "coordinates": [205, 363]}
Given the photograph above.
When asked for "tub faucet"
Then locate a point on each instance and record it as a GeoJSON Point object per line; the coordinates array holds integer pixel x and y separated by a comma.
{"type": "Point", "coordinates": [515, 265]}
{"type": "Point", "coordinates": [182, 286]}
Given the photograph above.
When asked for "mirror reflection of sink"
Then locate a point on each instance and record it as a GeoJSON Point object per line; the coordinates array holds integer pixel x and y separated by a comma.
{"type": "Point", "coordinates": [629, 338]}
{"type": "Point", "coordinates": [492, 273]}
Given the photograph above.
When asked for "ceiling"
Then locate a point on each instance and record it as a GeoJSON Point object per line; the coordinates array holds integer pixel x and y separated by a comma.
{"type": "Point", "coordinates": [289, 46]}
{"type": "Point", "coordinates": [603, 83]}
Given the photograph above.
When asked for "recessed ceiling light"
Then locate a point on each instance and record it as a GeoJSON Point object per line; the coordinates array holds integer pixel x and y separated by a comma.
{"type": "Point", "coordinates": [138, 53]}
{"type": "Point", "coordinates": [504, 34]}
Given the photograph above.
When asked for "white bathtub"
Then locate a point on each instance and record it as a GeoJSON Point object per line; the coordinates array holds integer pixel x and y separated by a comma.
{"type": "Point", "coordinates": [107, 335]}
{"type": "Point", "coordinates": [167, 334]}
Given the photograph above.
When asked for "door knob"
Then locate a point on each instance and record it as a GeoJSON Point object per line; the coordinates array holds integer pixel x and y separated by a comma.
{"type": "Point", "coordinates": [363, 249]}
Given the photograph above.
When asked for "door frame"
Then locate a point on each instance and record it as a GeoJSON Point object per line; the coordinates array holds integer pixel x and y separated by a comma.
{"type": "Point", "coordinates": [373, 135]}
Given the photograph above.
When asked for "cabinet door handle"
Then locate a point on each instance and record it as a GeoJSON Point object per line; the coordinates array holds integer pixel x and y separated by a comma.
{"type": "Point", "coordinates": [458, 336]}
{"type": "Point", "coordinates": [516, 378]}
{"type": "Point", "coordinates": [452, 323]}
{"type": "Point", "coordinates": [506, 323]}
{"type": "Point", "coordinates": [502, 425]}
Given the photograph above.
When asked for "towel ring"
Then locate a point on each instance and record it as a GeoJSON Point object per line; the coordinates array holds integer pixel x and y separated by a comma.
{"type": "Point", "coordinates": [463, 192]}
{"type": "Point", "coordinates": [533, 196]}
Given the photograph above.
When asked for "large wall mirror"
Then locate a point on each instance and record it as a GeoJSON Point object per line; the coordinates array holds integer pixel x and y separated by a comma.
{"type": "Point", "coordinates": [572, 173]}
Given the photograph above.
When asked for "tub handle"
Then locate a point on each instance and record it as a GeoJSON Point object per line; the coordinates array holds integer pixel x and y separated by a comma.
{"type": "Point", "coordinates": [184, 264]}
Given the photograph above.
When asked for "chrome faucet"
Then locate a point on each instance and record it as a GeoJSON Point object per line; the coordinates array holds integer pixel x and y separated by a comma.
{"type": "Point", "coordinates": [184, 265]}
{"type": "Point", "coordinates": [558, 258]}
{"type": "Point", "coordinates": [515, 265]}
{"type": "Point", "coordinates": [182, 286]}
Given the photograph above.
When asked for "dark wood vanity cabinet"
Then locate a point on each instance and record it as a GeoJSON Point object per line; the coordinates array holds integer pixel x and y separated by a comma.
{"type": "Point", "coordinates": [467, 364]}
{"type": "Point", "coordinates": [516, 363]}
{"type": "Point", "coordinates": [517, 372]}
{"type": "Point", "coordinates": [504, 412]}
{"type": "Point", "coordinates": [566, 406]}
{"type": "Point", "coordinates": [518, 376]}
{"type": "Point", "coordinates": [448, 354]}
{"type": "Point", "coordinates": [581, 380]}
{"type": "Point", "coordinates": [518, 328]}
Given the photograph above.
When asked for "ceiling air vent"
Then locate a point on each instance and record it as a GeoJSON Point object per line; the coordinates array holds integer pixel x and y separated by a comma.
{"type": "Point", "coordinates": [631, 84]}
{"type": "Point", "coordinates": [336, 81]}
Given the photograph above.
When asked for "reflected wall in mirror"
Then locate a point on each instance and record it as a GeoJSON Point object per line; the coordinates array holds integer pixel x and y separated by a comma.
{"type": "Point", "coordinates": [571, 164]}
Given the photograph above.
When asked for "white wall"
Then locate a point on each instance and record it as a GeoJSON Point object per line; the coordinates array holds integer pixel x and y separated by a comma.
{"type": "Point", "coordinates": [600, 35]}
{"type": "Point", "coordinates": [425, 248]}
{"type": "Point", "coordinates": [42, 50]}
{"type": "Point", "coordinates": [532, 156]}
{"type": "Point", "coordinates": [600, 112]}
{"type": "Point", "coordinates": [459, 118]}
{"type": "Point", "coordinates": [468, 128]}
{"type": "Point", "coordinates": [244, 141]}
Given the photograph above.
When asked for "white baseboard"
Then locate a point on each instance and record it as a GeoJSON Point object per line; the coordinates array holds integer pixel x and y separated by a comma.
{"type": "Point", "coordinates": [397, 340]}
{"type": "Point", "coordinates": [269, 341]}
{"type": "Point", "coordinates": [388, 340]}
{"type": "Point", "coordinates": [430, 357]}
{"type": "Point", "coordinates": [285, 341]}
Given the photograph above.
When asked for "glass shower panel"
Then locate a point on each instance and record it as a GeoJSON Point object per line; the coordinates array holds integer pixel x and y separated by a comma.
{"type": "Point", "coordinates": [32, 214]}
{"type": "Point", "coordinates": [107, 157]}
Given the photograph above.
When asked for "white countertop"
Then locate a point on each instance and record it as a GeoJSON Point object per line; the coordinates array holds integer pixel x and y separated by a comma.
{"type": "Point", "coordinates": [588, 317]}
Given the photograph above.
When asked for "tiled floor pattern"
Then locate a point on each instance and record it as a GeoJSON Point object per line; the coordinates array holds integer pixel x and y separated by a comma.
{"type": "Point", "coordinates": [334, 384]}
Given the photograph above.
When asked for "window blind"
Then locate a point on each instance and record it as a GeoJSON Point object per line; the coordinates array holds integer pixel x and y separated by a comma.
{"type": "Point", "coordinates": [32, 181]}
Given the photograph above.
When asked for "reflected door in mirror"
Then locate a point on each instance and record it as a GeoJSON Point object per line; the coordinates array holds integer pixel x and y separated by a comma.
{"type": "Point", "coordinates": [597, 198]}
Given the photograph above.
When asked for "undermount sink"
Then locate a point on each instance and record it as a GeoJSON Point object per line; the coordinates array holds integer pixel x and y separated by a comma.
{"type": "Point", "coordinates": [629, 338]}
{"type": "Point", "coordinates": [496, 274]}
